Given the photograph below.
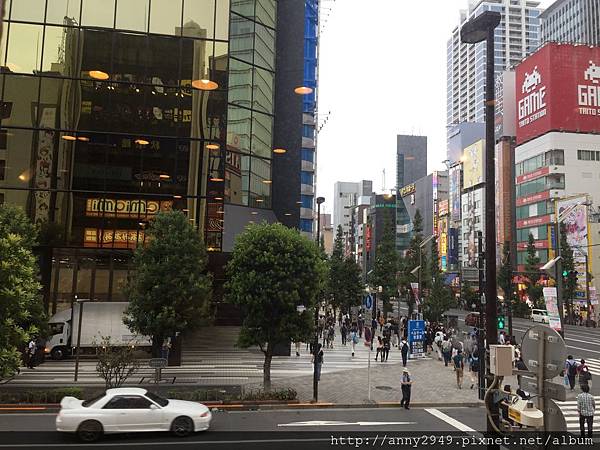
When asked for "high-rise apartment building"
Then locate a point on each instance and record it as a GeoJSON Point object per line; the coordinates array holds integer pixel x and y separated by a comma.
{"type": "Point", "coordinates": [572, 21]}
{"type": "Point", "coordinates": [411, 165]}
{"type": "Point", "coordinates": [517, 36]}
{"type": "Point", "coordinates": [114, 111]}
{"type": "Point", "coordinates": [345, 196]}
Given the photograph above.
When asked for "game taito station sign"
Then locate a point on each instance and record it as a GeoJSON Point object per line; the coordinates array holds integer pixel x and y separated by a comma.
{"type": "Point", "coordinates": [558, 89]}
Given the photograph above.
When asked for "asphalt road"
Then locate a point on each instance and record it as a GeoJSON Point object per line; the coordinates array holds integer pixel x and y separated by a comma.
{"type": "Point", "coordinates": [289, 429]}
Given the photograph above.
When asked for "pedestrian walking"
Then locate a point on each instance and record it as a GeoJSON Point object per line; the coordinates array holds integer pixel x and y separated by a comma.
{"type": "Point", "coordinates": [570, 371]}
{"type": "Point", "coordinates": [386, 346]}
{"type": "Point", "coordinates": [404, 351]}
{"type": "Point", "coordinates": [501, 338]}
{"type": "Point", "coordinates": [31, 349]}
{"type": "Point", "coordinates": [344, 332]}
{"type": "Point", "coordinates": [446, 350]}
{"type": "Point", "coordinates": [520, 365]}
{"type": "Point", "coordinates": [379, 348]}
{"type": "Point", "coordinates": [438, 343]}
{"type": "Point", "coordinates": [381, 323]}
{"type": "Point", "coordinates": [474, 368]}
{"type": "Point", "coordinates": [361, 323]}
{"type": "Point", "coordinates": [459, 366]}
{"type": "Point", "coordinates": [340, 319]}
{"type": "Point", "coordinates": [374, 325]}
{"type": "Point", "coordinates": [354, 338]}
{"type": "Point", "coordinates": [585, 376]}
{"type": "Point", "coordinates": [406, 386]}
{"type": "Point", "coordinates": [586, 406]}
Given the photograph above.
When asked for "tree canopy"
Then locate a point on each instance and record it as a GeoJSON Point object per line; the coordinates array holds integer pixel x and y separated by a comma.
{"type": "Point", "coordinates": [440, 297]}
{"type": "Point", "coordinates": [532, 269]}
{"type": "Point", "coordinates": [21, 312]}
{"type": "Point", "coordinates": [386, 263]}
{"type": "Point", "coordinates": [272, 271]}
{"type": "Point", "coordinates": [169, 288]}
{"type": "Point", "coordinates": [344, 281]}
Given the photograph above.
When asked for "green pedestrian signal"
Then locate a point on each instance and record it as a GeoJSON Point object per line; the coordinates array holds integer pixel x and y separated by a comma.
{"type": "Point", "coordinates": [500, 322]}
{"type": "Point", "coordinates": [565, 273]}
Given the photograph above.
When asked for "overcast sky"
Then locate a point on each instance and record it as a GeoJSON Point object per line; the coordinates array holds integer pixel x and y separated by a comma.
{"type": "Point", "coordinates": [382, 73]}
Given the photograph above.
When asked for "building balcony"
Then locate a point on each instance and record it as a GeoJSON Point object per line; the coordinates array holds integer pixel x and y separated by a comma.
{"type": "Point", "coordinates": [306, 213]}
{"type": "Point", "coordinates": [308, 142]}
{"type": "Point", "coordinates": [308, 166]}
{"type": "Point", "coordinates": [307, 189]}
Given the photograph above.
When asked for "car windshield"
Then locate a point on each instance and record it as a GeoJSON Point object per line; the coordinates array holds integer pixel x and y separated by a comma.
{"type": "Point", "coordinates": [157, 399]}
{"type": "Point", "coordinates": [91, 401]}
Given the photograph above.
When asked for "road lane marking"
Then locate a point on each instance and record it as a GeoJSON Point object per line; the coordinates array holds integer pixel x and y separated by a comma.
{"type": "Point", "coordinates": [336, 423]}
{"type": "Point", "coordinates": [450, 421]}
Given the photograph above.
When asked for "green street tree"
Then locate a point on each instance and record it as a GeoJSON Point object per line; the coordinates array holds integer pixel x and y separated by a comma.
{"type": "Point", "coordinates": [440, 296]}
{"type": "Point", "coordinates": [344, 282]}
{"type": "Point", "coordinates": [410, 261]}
{"type": "Point", "coordinates": [169, 289]}
{"type": "Point", "coordinates": [272, 271]}
{"type": "Point", "coordinates": [570, 281]}
{"type": "Point", "coordinates": [21, 313]}
{"type": "Point", "coordinates": [468, 295]}
{"type": "Point", "coordinates": [386, 263]}
{"type": "Point", "coordinates": [532, 269]}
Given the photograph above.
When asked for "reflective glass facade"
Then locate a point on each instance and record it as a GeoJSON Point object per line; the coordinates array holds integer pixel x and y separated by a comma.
{"type": "Point", "coordinates": [103, 125]}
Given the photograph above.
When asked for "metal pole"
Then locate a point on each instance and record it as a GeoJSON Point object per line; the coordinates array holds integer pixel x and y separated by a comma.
{"type": "Point", "coordinates": [420, 299]}
{"type": "Point", "coordinates": [369, 370]}
{"type": "Point", "coordinates": [542, 404]}
{"type": "Point", "coordinates": [481, 325]}
{"type": "Point", "coordinates": [490, 211]}
{"type": "Point", "coordinates": [78, 341]}
{"type": "Point", "coordinates": [559, 281]}
{"type": "Point", "coordinates": [588, 322]}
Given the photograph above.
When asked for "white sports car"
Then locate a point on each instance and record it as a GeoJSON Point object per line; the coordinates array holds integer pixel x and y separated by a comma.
{"type": "Point", "coordinates": [126, 410]}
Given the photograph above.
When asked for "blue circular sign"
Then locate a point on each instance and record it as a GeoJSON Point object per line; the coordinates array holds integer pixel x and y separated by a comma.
{"type": "Point", "coordinates": [368, 301]}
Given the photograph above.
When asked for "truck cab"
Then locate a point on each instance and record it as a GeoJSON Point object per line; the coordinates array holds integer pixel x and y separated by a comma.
{"type": "Point", "coordinates": [58, 344]}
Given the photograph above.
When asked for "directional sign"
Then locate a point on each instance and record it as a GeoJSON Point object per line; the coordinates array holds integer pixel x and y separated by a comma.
{"type": "Point", "coordinates": [556, 419]}
{"type": "Point", "coordinates": [157, 363]}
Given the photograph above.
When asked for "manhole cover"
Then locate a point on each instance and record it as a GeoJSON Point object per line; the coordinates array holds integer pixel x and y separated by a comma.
{"type": "Point", "coordinates": [384, 388]}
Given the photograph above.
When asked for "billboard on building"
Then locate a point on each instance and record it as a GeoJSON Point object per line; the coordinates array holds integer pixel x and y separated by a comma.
{"type": "Point", "coordinates": [557, 90]}
{"type": "Point", "coordinates": [453, 248]}
{"type": "Point", "coordinates": [443, 241]}
{"type": "Point", "coordinates": [473, 164]}
{"type": "Point", "coordinates": [573, 213]}
{"type": "Point", "coordinates": [504, 123]}
{"type": "Point", "coordinates": [454, 193]}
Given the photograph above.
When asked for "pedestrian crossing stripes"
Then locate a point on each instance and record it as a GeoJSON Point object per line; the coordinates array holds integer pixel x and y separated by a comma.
{"type": "Point", "coordinates": [569, 410]}
{"type": "Point", "coordinates": [223, 364]}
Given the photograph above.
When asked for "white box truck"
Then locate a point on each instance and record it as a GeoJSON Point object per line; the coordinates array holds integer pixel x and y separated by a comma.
{"type": "Point", "coordinates": [99, 319]}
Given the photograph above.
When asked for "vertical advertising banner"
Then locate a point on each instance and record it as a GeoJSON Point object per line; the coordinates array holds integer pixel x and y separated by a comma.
{"type": "Point", "coordinates": [416, 338]}
{"type": "Point", "coordinates": [473, 165]}
{"type": "Point", "coordinates": [573, 213]}
{"type": "Point", "coordinates": [454, 192]}
{"type": "Point", "coordinates": [415, 289]}
{"type": "Point", "coordinates": [551, 299]}
{"type": "Point", "coordinates": [453, 250]}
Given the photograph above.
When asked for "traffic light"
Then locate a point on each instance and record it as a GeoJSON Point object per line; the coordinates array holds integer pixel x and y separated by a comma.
{"type": "Point", "coordinates": [570, 273]}
{"type": "Point", "coordinates": [500, 322]}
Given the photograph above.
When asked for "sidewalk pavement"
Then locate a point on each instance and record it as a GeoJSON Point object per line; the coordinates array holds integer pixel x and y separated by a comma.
{"type": "Point", "coordinates": [432, 383]}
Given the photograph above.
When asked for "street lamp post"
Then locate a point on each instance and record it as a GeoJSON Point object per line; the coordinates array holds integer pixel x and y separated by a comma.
{"type": "Point", "coordinates": [479, 29]}
{"type": "Point", "coordinates": [316, 343]}
{"type": "Point", "coordinates": [80, 302]}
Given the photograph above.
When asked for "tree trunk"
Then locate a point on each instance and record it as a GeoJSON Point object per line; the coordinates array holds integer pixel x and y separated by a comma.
{"type": "Point", "coordinates": [267, 367]}
{"type": "Point", "coordinates": [156, 345]}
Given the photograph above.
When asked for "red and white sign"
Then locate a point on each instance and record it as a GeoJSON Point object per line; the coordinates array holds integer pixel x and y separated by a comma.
{"type": "Point", "coordinates": [558, 88]}
{"type": "Point", "coordinates": [536, 244]}
{"type": "Point", "coordinates": [533, 221]}
{"type": "Point", "coordinates": [533, 175]}
{"type": "Point", "coordinates": [534, 198]}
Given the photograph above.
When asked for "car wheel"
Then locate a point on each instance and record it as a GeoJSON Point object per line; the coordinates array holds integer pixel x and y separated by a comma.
{"type": "Point", "coordinates": [89, 431]}
{"type": "Point", "coordinates": [57, 354]}
{"type": "Point", "coordinates": [182, 426]}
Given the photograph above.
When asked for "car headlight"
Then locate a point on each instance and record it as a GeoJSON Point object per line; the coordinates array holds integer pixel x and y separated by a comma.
{"type": "Point", "coordinates": [204, 414]}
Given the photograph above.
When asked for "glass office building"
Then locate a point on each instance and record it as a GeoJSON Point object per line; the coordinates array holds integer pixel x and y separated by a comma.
{"type": "Point", "coordinates": [115, 110]}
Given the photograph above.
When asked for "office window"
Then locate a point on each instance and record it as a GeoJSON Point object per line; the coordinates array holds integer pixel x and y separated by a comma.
{"type": "Point", "coordinates": [2, 169]}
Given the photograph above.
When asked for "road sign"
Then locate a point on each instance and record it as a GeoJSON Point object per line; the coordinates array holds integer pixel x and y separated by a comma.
{"type": "Point", "coordinates": [368, 302]}
{"type": "Point", "coordinates": [416, 337]}
{"type": "Point", "coordinates": [556, 391]}
{"type": "Point", "coordinates": [157, 363]}
{"type": "Point", "coordinates": [555, 350]}
{"type": "Point", "coordinates": [470, 274]}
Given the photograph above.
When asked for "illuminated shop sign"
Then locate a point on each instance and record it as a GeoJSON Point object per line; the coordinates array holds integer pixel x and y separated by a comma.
{"type": "Point", "coordinates": [125, 208]}
{"type": "Point", "coordinates": [96, 237]}
{"type": "Point", "coordinates": [407, 190]}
